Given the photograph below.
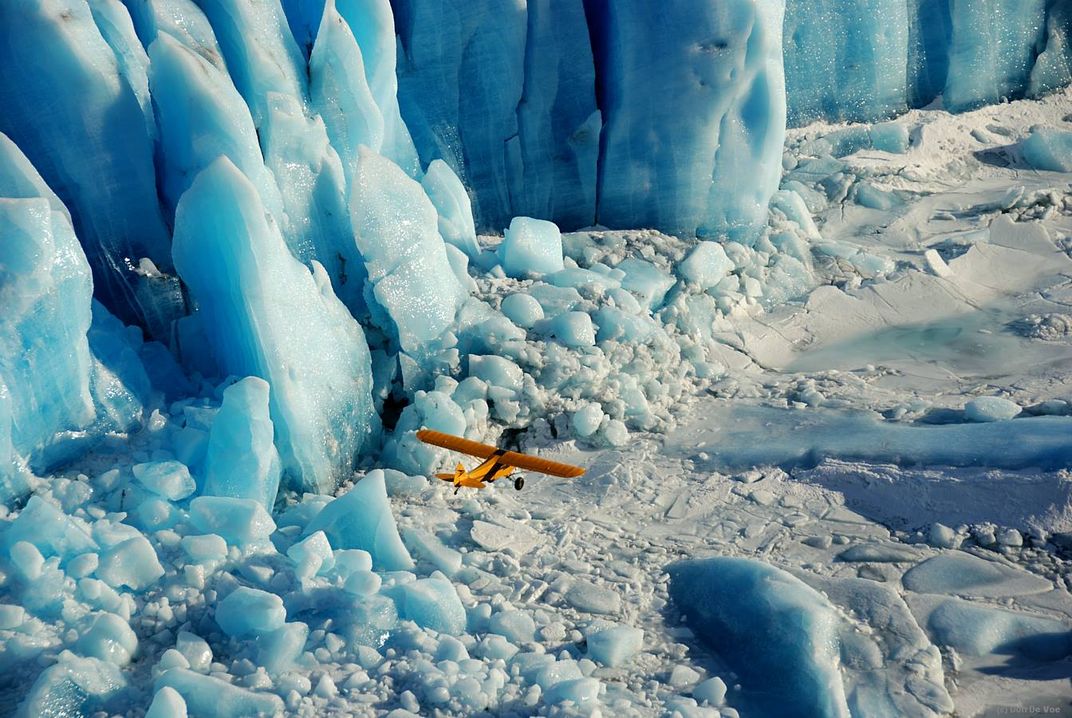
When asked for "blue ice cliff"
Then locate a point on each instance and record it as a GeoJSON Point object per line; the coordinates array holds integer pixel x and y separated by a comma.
{"type": "Point", "coordinates": [292, 191]}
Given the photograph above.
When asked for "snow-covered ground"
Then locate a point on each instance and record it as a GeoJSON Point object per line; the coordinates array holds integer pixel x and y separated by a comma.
{"type": "Point", "coordinates": [889, 454]}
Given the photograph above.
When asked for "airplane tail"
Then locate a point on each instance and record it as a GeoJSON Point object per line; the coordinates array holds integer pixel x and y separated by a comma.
{"type": "Point", "coordinates": [458, 471]}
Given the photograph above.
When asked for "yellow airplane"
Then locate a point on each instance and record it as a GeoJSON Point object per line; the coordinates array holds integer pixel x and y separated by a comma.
{"type": "Point", "coordinates": [498, 463]}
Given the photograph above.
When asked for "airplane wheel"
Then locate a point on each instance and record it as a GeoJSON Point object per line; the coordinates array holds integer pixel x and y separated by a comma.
{"type": "Point", "coordinates": [519, 483]}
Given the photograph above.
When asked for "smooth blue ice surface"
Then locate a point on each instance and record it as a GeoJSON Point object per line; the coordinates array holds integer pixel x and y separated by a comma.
{"type": "Point", "coordinates": [267, 315]}
{"type": "Point", "coordinates": [704, 104]}
{"type": "Point", "coordinates": [778, 634]}
{"type": "Point", "coordinates": [461, 77]}
{"type": "Point", "coordinates": [846, 61]}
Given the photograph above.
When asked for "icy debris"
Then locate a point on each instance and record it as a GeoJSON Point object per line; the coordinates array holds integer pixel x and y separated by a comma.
{"type": "Point", "coordinates": [732, 601]}
{"type": "Point", "coordinates": [250, 612]}
{"type": "Point", "coordinates": [362, 519]}
{"type": "Point", "coordinates": [241, 460]}
{"type": "Point", "coordinates": [167, 703]}
{"type": "Point", "coordinates": [428, 547]}
{"type": "Point", "coordinates": [238, 521]}
{"type": "Point", "coordinates": [266, 315]}
{"type": "Point", "coordinates": [613, 645]}
{"type": "Point", "coordinates": [531, 246]}
{"type": "Point", "coordinates": [963, 574]}
{"type": "Point", "coordinates": [991, 408]}
{"type": "Point", "coordinates": [504, 534]}
{"type": "Point", "coordinates": [209, 696]}
{"type": "Point", "coordinates": [170, 479]}
{"type": "Point", "coordinates": [1048, 148]}
{"type": "Point", "coordinates": [73, 686]}
{"type": "Point", "coordinates": [132, 563]}
{"type": "Point", "coordinates": [936, 264]}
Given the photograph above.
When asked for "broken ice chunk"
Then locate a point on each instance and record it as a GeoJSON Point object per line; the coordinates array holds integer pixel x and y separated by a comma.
{"type": "Point", "coordinates": [250, 612]}
{"type": "Point", "coordinates": [452, 205]}
{"type": "Point", "coordinates": [241, 460]}
{"type": "Point", "coordinates": [132, 563]}
{"type": "Point", "coordinates": [531, 246]}
{"type": "Point", "coordinates": [169, 479]}
{"type": "Point", "coordinates": [613, 645]}
{"type": "Point", "coordinates": [238, 521]}
{"type": "Point", "coordinates": [362, 519]}
{"type": "Point", "coordinates": [432, 603]}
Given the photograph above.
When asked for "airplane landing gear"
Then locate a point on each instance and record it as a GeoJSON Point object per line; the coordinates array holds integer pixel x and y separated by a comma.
{"type": "Point", "coordinates": [519, 483]}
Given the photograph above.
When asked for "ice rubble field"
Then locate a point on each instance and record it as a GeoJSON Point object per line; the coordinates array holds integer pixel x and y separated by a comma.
{"type": "Point", "coordinates": [821, 391]}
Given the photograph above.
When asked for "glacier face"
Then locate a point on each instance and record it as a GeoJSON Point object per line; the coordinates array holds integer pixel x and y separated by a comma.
{"type": "Point", "coordinates": [67, 374]}
{"type": "Point", "coordinates": [363, 144]}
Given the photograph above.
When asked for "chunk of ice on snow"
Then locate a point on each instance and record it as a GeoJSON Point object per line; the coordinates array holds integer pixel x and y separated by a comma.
{"type": "Point", "coordinates": [963, 574]}
{"type": "Point", "coordinates": [574, 329]}
{"type": "Point", "coordinates": [241, 460]}
{"type": "Point", "coordinates": [517, 626]}
{"type": "Point", "coordinates": [991, 408]}
{"type": "Point", "coordinates": [1048, 148]}
{"type": "Point", "coordinates": [975, 630]}
{"type": "Point", "coordinates": [531, 246]}
{"type": "Point", "coordinates": [167, 703]}
{"type": "Point", "coordinates": [614, 645]}
{"type": "Point", "coordinates": [73, 686]}
{"type": "Point", "coordinates": [706, 265]}
{"type": "Point", "coordinates": [362, 519]}
{"type": "Point", "coordinates": [311, 555]}
{"type": "Point", "coordinates": [238, 521]}
{"type": "Point", "coordinates": [109, 638]}
{"type": "Point", "coordinates": [250, 612]}
{"type": "Point", "coordinates": [647, 281]}
{"type": "Point", "coordinates": [586, 596]}
{"type": "Point", "coordinates": [208, 696]}
{"type": "Point", "coordinates": [131, 563]}
{"type": "Point", "coordinates": [169, 479]}
{"type": "Point", "coordinates": [431, 603]}
{"type": "Point", "coordinates": [522, 310]}
{"type": "Point", "coordinates": [778, 634]}
{"type": "Point", "coordinates": [278, 650]}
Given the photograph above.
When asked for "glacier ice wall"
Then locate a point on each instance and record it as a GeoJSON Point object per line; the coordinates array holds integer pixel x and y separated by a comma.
{"type": "Point", "coordinates": [870, 60]}
{"type": "Point", "coordinates": [694, 126]}
{"type": "Point", "coordinates": [62, 383]}
{"type": "Point", "coordinates": [76, 114]}
{"type": "Point", "coordinates": [265, 314]}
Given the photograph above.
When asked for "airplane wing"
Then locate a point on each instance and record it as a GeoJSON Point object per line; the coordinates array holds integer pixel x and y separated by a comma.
{"type": "Point", "coordinates": [509, 458]}
{"type": "Point", "coordinates": [544, 466]}
{"type": "Point", "coordinates": [456, 443]}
